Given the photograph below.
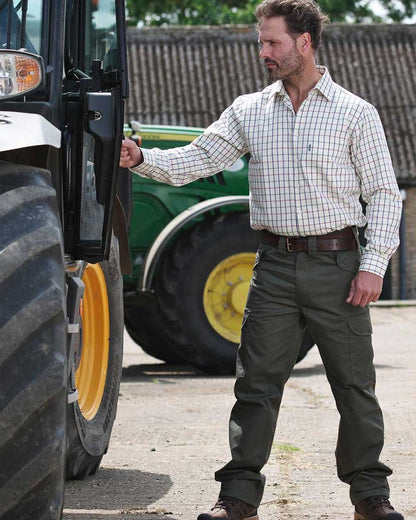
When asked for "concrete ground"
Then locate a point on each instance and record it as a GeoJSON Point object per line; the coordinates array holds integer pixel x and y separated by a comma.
{"type": "Point", "coordinates": [171, 434]}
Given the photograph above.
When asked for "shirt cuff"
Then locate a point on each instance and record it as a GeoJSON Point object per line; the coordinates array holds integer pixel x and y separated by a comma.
{"type": "Point", "coordinates": [374, 263]}
{"type": "Point", "coordinates": [146, 167]}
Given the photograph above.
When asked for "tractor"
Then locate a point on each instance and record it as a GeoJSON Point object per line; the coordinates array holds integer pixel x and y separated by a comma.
{"type": "Point", "coordinates": [63, 245]}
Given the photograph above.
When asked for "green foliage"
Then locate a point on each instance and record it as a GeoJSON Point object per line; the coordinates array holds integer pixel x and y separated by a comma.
{"type": "Point", "coordinates": [399, 10]}
{"type": "Point", "coordinates": [344, 10]}
{"type": "Point", "coordinates": [218, 12]}
{"type": "Point", "coordinates": [191, 12]}
{"type": "Point", "coordinates": [286, 447]}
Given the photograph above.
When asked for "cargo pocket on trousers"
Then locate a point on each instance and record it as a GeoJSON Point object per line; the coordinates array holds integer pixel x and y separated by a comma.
{"type": "Point", "coordinates": [361, 349]}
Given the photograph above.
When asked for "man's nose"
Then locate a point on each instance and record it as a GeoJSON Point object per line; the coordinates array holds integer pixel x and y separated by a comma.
{"type": "Point", "coordinates": [263, 52]}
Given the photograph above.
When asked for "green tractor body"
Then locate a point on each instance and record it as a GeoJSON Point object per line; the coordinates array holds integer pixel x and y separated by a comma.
{"type": "Point", "coordinates": [155, 204]}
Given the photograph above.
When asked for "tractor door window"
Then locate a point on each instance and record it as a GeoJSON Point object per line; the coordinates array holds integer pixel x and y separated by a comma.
{"type": "Point", "coordinates": [17, 14]}
{"type": "Point", "coordinates": [100, 37]}
{"type": "Point", "coordinates": [101, 34]}
{"type": "Point", "coordinates": [92, 213]}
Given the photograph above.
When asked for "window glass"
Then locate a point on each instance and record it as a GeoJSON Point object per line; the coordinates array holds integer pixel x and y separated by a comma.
{"type": "Point", "coordinates": [12, 12]}
{"type": "Point", "coordinates": [101, 34]}
{"type": "Point", "coordinates": [92, 213]}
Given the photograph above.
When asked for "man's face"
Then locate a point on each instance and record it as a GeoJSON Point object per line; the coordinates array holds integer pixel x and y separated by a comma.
{"type": "Point", "coordinates": [278, 49]}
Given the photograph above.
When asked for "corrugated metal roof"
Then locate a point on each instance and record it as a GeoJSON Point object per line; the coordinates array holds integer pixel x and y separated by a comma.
{"type": "Point", "coordinates": [188, 75]}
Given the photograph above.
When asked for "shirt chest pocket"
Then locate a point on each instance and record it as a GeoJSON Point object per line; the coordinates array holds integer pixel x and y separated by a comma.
{"type": "Point", "coordinates": [333, 149]}
{"type": "Point", "coordinates": [328, 163]}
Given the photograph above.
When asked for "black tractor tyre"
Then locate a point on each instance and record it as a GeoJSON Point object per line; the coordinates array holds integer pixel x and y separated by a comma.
{"type": "Point", "coordinates": [88, 436]}
{"type": "Point", "coordinates": [33, 389]}
{"type": "Point", "coordinates": [144, 327]}
{"type": "Point", "coordinates": [181, 285]}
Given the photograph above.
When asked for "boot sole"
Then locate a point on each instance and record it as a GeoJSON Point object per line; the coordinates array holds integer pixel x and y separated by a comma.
{"type": "Point", "coordinates": [358, 516]}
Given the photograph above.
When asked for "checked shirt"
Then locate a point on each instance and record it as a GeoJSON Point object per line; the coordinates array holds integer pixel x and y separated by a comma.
{"type": "Point", "coordinates": [307, 170]}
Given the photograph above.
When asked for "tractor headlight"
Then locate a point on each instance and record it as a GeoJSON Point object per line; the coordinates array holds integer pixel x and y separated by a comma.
{"type": "Point", "coordinates": [20, 73]}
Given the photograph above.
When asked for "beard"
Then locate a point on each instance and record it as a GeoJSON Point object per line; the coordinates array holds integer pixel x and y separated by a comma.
{"type": "Point", "coordinates": [289, 65]}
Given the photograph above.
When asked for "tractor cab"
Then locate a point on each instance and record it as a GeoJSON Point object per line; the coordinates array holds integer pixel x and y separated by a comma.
{"type": "Point", "coordinates": [65, 63]}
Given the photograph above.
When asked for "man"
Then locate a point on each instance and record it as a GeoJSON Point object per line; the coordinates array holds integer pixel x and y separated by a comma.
{"type": "Point", "coordinates": [315, 149]}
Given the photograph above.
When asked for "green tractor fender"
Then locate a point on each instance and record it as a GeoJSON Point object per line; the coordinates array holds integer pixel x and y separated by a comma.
{"type": "Point", "coordinates": [161, 242]}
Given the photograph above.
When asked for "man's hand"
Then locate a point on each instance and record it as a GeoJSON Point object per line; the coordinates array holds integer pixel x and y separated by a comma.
{"type": "Point", "coordinates": [365, 288]}
{"type": "Point", "coordinates": [130, 154]}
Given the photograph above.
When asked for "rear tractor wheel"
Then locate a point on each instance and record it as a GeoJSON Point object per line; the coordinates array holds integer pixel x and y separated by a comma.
{"type": "Point", "coordinates": [202, 291]}
{"type": "Point", "coordinates": [144, 327]}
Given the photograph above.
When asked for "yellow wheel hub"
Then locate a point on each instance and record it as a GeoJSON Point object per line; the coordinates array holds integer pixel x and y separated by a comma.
{"type": "Point", "coordinates": [225, 294]}
{"type": "Point", "coordinates": [91, 374]}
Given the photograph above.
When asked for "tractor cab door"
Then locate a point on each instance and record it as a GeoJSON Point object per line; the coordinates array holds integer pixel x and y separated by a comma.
{"type": "Point", "coordinates": [95, 86]}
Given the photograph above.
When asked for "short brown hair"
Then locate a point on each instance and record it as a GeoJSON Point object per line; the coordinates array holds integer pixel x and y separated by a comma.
{"type": "Point", "coordinates": [300, 16]}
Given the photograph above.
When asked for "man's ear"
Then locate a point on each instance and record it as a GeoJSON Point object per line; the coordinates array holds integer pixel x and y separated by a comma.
{"type": "Point", "coordinates": [304, 42]}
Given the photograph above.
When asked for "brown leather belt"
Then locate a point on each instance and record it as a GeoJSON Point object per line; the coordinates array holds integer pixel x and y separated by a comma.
{"type": "Point", "coordinates": [343, 240]}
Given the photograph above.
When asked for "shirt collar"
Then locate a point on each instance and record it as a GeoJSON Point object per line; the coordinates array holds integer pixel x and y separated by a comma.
{"type": "Point", "coordinates": [325, 86]}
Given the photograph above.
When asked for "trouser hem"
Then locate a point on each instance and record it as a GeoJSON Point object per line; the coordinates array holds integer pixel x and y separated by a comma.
{"type": "Point", "coordinates": [250, 492]}
{"type": "Point", "coordinates": [377, 492]}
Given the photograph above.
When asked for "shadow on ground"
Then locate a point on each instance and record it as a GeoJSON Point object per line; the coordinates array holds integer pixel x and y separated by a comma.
{"type": "Point", "coordinates": [143, 373]}
{"type": "Point", "coordinates": [119, 494]}
{"type": "Point", "coordinates": [319, 369]}
{"type": "Point", "coordinates": [149, 372]}
{"type": "Point", "coordinates": [314, 370]}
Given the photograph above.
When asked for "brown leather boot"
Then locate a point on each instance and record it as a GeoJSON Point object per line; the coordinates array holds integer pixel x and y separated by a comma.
{"type": "Point", "coordinates": [376, 508]}
{"type": "Point", "coordinates": [231, 508]}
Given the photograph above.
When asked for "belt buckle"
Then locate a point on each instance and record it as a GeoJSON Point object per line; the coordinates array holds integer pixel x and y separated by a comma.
{"type": "Point", "coordinates": [288, 245]}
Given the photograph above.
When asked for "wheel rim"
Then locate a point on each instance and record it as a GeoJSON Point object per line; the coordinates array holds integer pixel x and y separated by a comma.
{"type": "Point", "coordinates": [225, 294]}
{"type": "Point", "coordinates": [91, 374]}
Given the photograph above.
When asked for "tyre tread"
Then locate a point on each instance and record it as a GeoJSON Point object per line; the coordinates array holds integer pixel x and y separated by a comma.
{"type": "Point", "coordinates": [168, 291]}
{"type": "Point", "coordinates": [32, 339]}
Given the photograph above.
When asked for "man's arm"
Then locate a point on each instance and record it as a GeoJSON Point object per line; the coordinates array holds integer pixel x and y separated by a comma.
{"type": "Point", "coordinates": [379, 190]}
{"type": "Point", "coordinates": [217, 148]}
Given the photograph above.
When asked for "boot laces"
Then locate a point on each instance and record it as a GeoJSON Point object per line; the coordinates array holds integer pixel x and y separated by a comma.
{"type": "Point", "coordinates": [379, 500]}
{"type": "Point", "coordinates": [226, 503]}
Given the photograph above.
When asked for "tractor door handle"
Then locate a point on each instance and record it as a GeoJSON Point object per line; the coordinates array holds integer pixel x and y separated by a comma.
{"type": "Point", "coordinates": [101, 123]}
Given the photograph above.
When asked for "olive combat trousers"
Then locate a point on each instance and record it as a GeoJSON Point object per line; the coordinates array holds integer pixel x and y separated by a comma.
{"type": "Point", "coordinates": [289, 291]}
